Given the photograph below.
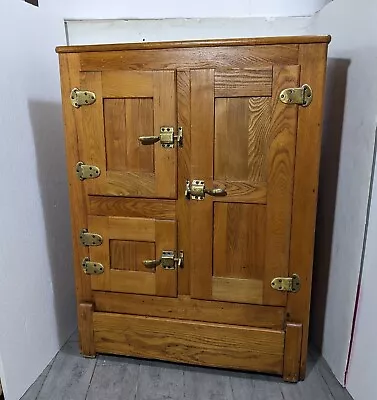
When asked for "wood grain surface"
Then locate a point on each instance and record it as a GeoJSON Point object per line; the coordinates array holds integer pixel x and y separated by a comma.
{"type": "Point", "coordinates": [186, 308]}
{"type": "Point", "coordinates": [190, 342]}
{"type": "Point", "coordinates": [198, 43]}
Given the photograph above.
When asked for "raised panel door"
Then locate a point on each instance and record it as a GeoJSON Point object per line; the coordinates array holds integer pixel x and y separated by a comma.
{"type": "Point", "coordinates": [240, 242]}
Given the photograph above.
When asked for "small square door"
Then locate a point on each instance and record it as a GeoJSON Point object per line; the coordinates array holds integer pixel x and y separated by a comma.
{"type": "Point", "coordinates": [127, 243]}
{"type": "Point", "coordinates": [129, 105]}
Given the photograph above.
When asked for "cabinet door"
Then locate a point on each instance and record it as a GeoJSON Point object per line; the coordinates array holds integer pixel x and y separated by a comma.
{"type": "Point", "coordinates": [240, 242]}
{"type": "Point", "coordinates": [127, 242]}
{"type": "Point", "coordinates": [129, 104]}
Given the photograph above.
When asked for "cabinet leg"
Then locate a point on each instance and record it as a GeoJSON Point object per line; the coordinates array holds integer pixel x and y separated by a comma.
{"type": "Point", "coordinates": [86, 330]}
{"type": "Point", "coordinates": [292, 352]}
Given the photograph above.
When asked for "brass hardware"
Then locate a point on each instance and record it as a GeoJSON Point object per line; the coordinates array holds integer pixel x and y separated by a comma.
{"type": "Point", "coordinates": [146, 140]}
{"type": "Point", "coordinates": [84, 171]}
{"type": "Point", "coordinates": [90, 239]}
{"type": "Point", "coordinates": [168, 261]}
{"type": "Point", "coordinates": [302, 96]}
{"type": "Point", "coordinates": [166, 137]}
{"type": "Point", "coordinates": [292, 284]}
{"type": "Point", "coordinates": [92, 268]}
{"type": "Point", "coordinates": [82, 98]}
{"type": "Point", "coordinates": [196, 190]}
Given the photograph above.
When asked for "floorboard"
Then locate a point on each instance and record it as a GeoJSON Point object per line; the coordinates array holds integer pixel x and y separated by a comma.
{"type": "Point", "coordinates": [116, 376]}
{"type": "Point", "coordinates": [72, 377]}
{"type": "Point", "coordinates": [69, 376]}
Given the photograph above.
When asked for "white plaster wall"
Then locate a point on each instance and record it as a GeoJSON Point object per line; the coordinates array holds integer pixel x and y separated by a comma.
{"type": "Point", "coordinates": [357, 48]}
{"type": "Point", "coordinates": [117, 9]}
{"type": "Point", "coordinates": [118, 31]}
{"type": "Point", "coordinates": [363, 367]}
{"type": "Point", "coordinates": [37, 300]}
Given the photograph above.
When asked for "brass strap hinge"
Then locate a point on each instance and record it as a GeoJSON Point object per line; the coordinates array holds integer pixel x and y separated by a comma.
{"type": "Point", "coordinates": [84, 171]}
{"type": "Point", "coordinates": [292, 284]}
{"type": "Point", "coordinates": [196, 190]}
{"type": "Point", "coordinates": [91, 267]}
{"type": "Point", "coordinates": [90, 239]}
{"type": "Point", "coordinates": [166, 138]}
{"type": "Point", "coordinates": [168, 260]}
{"type": "Point", "coordinates": [302, 96]}
{"type": "Point", "coordinates": [82, 98]}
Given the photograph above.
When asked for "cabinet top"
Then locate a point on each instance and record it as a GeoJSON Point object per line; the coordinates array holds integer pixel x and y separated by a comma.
{"type": "Point", "coordinates": [196, 43]}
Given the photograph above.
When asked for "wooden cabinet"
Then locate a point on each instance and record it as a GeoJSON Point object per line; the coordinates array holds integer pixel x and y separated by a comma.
{"type": "Point", "coordinates": [194, 201]}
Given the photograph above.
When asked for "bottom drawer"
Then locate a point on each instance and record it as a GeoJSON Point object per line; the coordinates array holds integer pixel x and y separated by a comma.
{"type": "Point", "coordinates": [191, 342]}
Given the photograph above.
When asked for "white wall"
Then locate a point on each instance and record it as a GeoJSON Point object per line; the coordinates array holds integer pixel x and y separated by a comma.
{"type": "Point", "coordinates": [37, 300]}
{"type": "Point", "coordinates": [350, 115]}
{"type": "Point", "coordinates": [117, 9]}
{"type": "Point", "coordinates": [363, 367]}
{"type": "Point", "coordinates": [353, 61]}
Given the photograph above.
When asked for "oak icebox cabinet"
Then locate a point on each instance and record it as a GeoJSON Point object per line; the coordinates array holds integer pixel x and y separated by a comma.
{"type": "Point", "coordinates": [193, 174]}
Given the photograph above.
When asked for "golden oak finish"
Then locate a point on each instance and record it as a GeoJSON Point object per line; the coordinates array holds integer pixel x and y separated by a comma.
{"type": "Point", "coordinates": [85, 320]}
{"type": "Point", "coordinates": [313, 70]}
{"type": "Point", "coordinates": [125, 273]}
{"type": "Point", "coordinates": [184, 172]}
{"type": "Point", "coordinates": [190, 342]}
{"type": "Point", "coordinates": [197, 43]}
{"type": "Point", "coordinates": [186, 308]}
{"type": "Point", "coordinates": [216, 306]}
{"type": "Point", "coordinates": [292, 353]}
{"type": "Point", "coordinates": [123, 207]}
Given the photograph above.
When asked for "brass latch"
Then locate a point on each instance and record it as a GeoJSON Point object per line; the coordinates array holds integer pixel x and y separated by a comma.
{"type": "Point", "coordinates": [82, 98]}
{"type": "Point", "coordinates": [302, 96]}
{"type": "Point", "coordinates": [166, 137]}
{"type": "Point", "coordinates": [168, 260]}
{"type": "Point", "coordinates": [292, 284]}
{"type": "Point", "coordinates": [196, 190]}
{"type": "Point", "coordinates": [92, 268]}
{"type": "Point", "coordinates": [90, 239]}
{"type": "Point", "coordinates": [84, 171]}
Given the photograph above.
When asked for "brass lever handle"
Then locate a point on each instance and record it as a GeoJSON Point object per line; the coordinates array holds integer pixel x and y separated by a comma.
{"type": "Point", "coordinates": [149, 139]}
{"type": "Point", "coordinates": [215, 192]}
{"type": "Point", "coordinates": [151, 263]}
{"type": "Point", "coordinates": [169, 260]}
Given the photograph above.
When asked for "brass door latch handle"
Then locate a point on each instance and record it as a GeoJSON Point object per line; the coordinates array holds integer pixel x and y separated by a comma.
{"type": "Point", "coordinates": [167, 137]}
{"type": "Point", "coordinates": [196, 190]}
{"type": "Point", "coordinates": [168, 260]}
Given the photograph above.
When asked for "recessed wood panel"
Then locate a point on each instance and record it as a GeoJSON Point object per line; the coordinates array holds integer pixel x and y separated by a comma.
{"type": "Point", "coordinates": [123, 207]}
{"type": "Point", "coordinates": [117, 84]}
{"type": "Point", "coordinates": [239, 240]}
{"type": "Point", "coordinates": [129, 256]}
{"type": "Point", "coordinates": [125, 121]}
{"type": "Point", "coordinates": [241, 138]}
{"type": "Point", "coordinates": [190, 342]}
{"type": "Point", "coordinates": [243, 82]}
{"type": "Point", "coordinates": [237, 290]}
{"type": "Point", "coordinates": [186, 308]}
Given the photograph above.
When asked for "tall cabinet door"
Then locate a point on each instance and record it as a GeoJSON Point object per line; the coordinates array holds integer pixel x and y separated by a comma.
{"type": "Point", "coordinates": [129, 105]}
{"type": "Point", "coordinates": [240, 241]}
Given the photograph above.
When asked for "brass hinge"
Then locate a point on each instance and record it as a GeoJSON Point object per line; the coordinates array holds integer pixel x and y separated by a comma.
{"type": "Point", "coordinates": [84, 171]}
{"type": "Point", "coordinates": [90, 239]}
{"type": "Point", "coordinates": [82, 98]}
{"type": "Point", "coordinates": [302, 96]}
{"type": "Point", "coordinates": [196, 190]}
{"type": "Point", "coordinates": [168, 260]}
{"type": "Point", "coordinates": [166, 138]}
{"type": "Point", "coordinates": [91, 267]}
{"type": "Point", "coordinates": [292, 284]}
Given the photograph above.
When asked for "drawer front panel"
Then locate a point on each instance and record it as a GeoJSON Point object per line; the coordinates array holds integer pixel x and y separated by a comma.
{"type": "Point", "coordinates": [190, 342]}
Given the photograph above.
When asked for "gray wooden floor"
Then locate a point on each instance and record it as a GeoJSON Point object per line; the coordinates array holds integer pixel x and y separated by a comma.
{"type": "Point", "coordinates": [72, 377]}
